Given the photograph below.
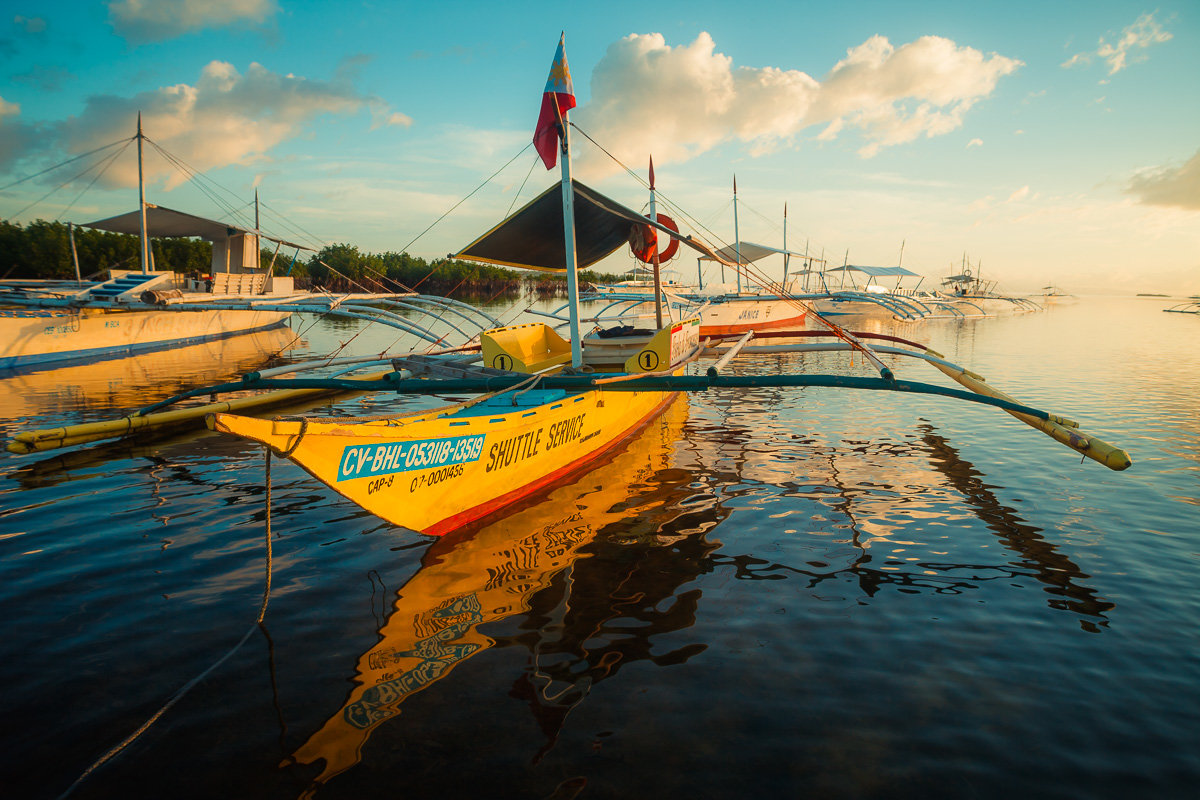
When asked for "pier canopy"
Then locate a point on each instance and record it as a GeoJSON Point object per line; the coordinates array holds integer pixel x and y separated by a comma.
{"type": "Point", "coordinates": [169, 223]}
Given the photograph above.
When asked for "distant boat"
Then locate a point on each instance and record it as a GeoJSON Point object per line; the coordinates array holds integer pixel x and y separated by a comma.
{"type": "Point", "coordinates": [1192, 306]}
{"type": "Point", "coordinates": [975, 296]}
{"type": "Point", "coordinates": [724, 309]}
{"type": "Point", "coordinates": [873, 298]}
{"type": "Point", "coordinates": [748, 305]}
{"type": "Point", "coordinates": [1052, 295]}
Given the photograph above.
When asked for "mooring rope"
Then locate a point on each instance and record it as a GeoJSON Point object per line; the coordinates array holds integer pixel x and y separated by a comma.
{"type": "Point", "coordinates": [187, 687]}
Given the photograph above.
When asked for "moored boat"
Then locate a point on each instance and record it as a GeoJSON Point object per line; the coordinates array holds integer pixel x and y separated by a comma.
{"type": "Point", "coordinates": [543, 407]}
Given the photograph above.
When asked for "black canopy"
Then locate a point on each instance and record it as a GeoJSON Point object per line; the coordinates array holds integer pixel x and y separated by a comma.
{"type": "Point", "coordinates": [532, 238]}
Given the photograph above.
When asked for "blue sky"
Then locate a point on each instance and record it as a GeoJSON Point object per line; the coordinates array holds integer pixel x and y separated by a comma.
{"type": "Point", "coordinates": [1049, 142]}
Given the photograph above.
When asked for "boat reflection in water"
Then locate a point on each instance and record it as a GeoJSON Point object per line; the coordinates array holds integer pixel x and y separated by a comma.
{"type": "Point", "coordinates": [512, 566]}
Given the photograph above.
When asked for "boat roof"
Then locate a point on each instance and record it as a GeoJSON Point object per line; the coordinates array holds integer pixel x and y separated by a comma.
{"type": "Point", "coordinates": [532, 238]}
{"type": "Point", "coordinates": [878, 272]}
{"type": "Point", "coordinates": [168, 222]}
{"type": "Point", "coordinates": [749, 252]}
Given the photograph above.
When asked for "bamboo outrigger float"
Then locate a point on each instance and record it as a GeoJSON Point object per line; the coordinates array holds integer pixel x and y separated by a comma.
{"type": "Point", "coordinates": [544, 407]}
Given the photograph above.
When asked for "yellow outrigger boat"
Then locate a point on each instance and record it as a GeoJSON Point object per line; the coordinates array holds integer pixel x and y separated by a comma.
{"type": "Point", "coordinates": [438, 470]}
{"type": "Point", "coordinates": [543, 407]}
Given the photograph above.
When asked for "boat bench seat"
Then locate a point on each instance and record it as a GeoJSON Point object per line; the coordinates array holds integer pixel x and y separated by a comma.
{"type": "Point", "coordinates": [234, 283]}
{"type": "Point", "coordinates": [532, 347]}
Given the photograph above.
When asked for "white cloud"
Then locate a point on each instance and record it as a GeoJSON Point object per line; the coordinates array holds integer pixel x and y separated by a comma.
{"type": "Point", "coordinates": [141, 21]}
{"type": "Point", "coordinates": [225, 118]}
{"type": "Point", "coordinates": [1169, 186]}
{"type": "Point", "coordinates": [1143, 33]}
{"type": "Point", "coordinates": [1019, 195]}
{"type": "Point", "coordinates": [977, 142]}
{"type": "Point", "coordinates": [677, 102]}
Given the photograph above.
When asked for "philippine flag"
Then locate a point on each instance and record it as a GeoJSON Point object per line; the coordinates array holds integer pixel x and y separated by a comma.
{"type": "Point", "coordinates": [559, 96]}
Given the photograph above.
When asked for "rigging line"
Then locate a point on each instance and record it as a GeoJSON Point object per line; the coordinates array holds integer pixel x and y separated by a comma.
{"type": "Point", "coordinates": [197, 179]}
{"type": "Point", "coordinates": [89, 168]}
{"type": "Point", "coordinates": [517, 196]}
{"type": "Point", "coordinates": [387, 279]}
{"type": "Point", "coordinates": [64, 163]}
{"type": "Point", "coordinates": [468, 197]}
{"type": "Point", "coordinates": [299, 232]}
{"type": "Point", "coordinates": [187, 687]}
{"type": "Point", "coordinates": [684, 215]}
{"type": "Point", "coordinates": [104, 169]}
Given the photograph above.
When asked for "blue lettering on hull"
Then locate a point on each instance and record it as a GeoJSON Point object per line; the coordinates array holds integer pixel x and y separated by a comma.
{"type": "Point", "coordinates": [368, 460]}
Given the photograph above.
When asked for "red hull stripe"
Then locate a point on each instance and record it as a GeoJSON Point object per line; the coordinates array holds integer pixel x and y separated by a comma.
{"type": "Point", "coordinates": [726, 330]}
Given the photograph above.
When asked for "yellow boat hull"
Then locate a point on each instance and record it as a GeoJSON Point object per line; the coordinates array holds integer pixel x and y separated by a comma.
{"type": "Point", "coordinates": [438, 471]}
{"type": "Point", "coordinates": [489, 574]}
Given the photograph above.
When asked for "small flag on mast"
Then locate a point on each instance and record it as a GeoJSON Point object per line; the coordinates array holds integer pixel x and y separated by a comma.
{"type": "Point", "coordinates": [557, 99]}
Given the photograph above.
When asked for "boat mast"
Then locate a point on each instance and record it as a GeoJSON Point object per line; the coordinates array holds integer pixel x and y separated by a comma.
{"type": "Point", "coordinates": [658, 323]}
{"type": "Point", "coordinates": [145, 246]}
{"type": "Point", "coordinates": [785, 252]}
{"type": "Point", "coordinates": [737, 242]}
{"type": "Point", "coordinates": [568, 199]}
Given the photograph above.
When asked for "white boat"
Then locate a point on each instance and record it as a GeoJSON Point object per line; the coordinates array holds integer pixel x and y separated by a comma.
{"type": "Point", "coordinates": [873, 299]}
{"type": "Point", "coordinates": [724, 309]}
{"type": "Point", "coordinates": [50, 323]}
{"type": "Point", "coordinates": [973, 296]}
{"type": "Point", "coordinates": [1053, 296]}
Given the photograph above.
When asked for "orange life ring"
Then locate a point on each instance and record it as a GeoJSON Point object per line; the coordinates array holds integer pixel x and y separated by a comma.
{"type": "Point", "coordinates": [643, 241]}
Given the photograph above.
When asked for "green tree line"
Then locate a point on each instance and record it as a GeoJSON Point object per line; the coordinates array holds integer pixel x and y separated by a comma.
{"type": "Point", "coordinates": [42, 250]}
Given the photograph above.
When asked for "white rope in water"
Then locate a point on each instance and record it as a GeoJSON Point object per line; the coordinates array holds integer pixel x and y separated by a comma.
{"type": "Point", "coordinates": [187, 687]}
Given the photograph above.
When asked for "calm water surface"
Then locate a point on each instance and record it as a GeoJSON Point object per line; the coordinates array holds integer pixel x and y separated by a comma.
{"type": "Point", "coordinates": [812, 593]}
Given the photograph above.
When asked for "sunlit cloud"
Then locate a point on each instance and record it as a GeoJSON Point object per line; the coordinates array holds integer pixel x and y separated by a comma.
{"type": "Point", "coordinates": [1143, 33]}
{"type": "Point", "coordinates": [977, 142]}
{"type": "Point", "coordinates": [225, 118]}
{"type": "Point", "coordinates": [142, 21]}
{"type": "Point", "coordinates": [1169, 186]}
{"type": "Point", "coordinates": [648, 97]}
